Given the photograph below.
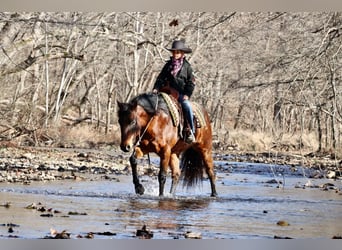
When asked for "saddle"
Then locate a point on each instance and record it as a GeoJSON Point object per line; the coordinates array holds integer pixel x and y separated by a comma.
{"type": "Point", "coordinates": [171, 99]}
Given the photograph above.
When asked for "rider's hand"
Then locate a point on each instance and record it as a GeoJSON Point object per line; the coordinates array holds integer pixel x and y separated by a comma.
{"type": "Point", "coordinates": [185, 97]}
{"type": "Point", "coordinates": [154, 91]}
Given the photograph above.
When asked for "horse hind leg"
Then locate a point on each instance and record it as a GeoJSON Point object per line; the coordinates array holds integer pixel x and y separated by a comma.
{"type": "Point", "coordinates": [175, 171]}
{"type": "Point", "coordinates": [209, 168]}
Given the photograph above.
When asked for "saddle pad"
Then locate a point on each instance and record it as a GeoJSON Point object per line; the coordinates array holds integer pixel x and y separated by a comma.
{"type": "Point", "coordinates": [198, 114]}
{"type": "Point", "coordinates": [172, 108]}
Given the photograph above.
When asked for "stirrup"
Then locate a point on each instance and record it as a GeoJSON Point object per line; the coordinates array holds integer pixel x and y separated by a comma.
{"type": "Point", "coordinates": [190, 138]}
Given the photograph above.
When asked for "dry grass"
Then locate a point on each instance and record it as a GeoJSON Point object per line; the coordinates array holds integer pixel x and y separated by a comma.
{"type": "Point", "coordinates": [86, 136]}
{"type": "Point", "coordinates": [247, 140]}
{"type": "Point", "coordinates": [80, 136]}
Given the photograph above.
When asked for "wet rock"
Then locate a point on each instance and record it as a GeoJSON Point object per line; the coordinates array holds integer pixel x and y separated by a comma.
{"type": "Point", "coordinates": [61, 169]}
{"type": "Point", "coordinates": [331, 174]}
{"type": "Point", "coordinates": [13, 236]}
{"type": "Point", "coordinates": [6, 204]}
{"type": "Point", "coordinates": [193, 235]}
{"type": "Point", "coordinates": [12, 225]}
{"type": "Point", "coordinates": [175, 235]}
{"type": "Point", "coordinates": [31, 206]}
{"type": "Point", "coordinates": [298, 185]}
{"type": "Point", "coordinates": [79, 178]}
{"type": "Point", "coordinates": [328, 186]}
{"type": "Point", "coordinates": [309, 184]}
{"type": "Point", "coordinates": [41, 209]}
{"type": "Point", "coordinates": [316, 175]}
{"type": "Point", "coordinates": [339, 237]}
{"type": "Point", "coordinates": [105, 233]}
{"type": "Point", "coordinates": [89, 235]}
{"type": "Point", "coordinates": [83, 168]}
{"type": "Point", "coordinates": [283, 223]}
{"type": "Point", "coordinates": [82, 155]}
{"type": "Point", "coordinates": [46, 215]}
{"type": "Point", "coordinates": [281, 237]}
{"type": "Point", "coordinates": [110, 178]}
{"type": "Point", "coordinates": [76, 213]}
{"type": "Point", "coordinates": [273, 181]}
{"type": "Point", "coordinates": [54, 234]}
{"type": "Point", "coordinates": [42, 167]}
{"type": "Point", "coordinates": [10, 230]}
{"type": "Point", "coordinates": [143, 233]}
{"type": "Point", "coordinates": [98, 170]}
{"type": "Point", "coordinates": [120, 210]}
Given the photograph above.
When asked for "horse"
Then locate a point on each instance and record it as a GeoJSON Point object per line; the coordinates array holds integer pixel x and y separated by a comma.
{"type": "Point", "coordinates": [147, 127]}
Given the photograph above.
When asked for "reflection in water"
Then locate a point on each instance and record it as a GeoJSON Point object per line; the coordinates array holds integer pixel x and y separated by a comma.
{"type": "Point", "coordinates": [169, 204]}
{"type": "Point", "coordinates": [182, 204]}
{"type": "Point", "coordinates": [156, 213]}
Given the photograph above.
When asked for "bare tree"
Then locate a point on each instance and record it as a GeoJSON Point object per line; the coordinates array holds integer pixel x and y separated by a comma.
{"type": "Point", "coordinates": [276, 72]}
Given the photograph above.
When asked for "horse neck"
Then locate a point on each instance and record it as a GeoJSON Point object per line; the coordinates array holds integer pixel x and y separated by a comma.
{"type": "Point", "coordinates": [143, 116]}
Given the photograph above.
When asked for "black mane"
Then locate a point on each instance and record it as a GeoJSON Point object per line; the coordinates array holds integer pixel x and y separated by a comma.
{"type": "Point", "coordinates": [151, 102]}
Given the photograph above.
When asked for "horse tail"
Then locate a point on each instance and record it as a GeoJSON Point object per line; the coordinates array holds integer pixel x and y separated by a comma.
{"type": "Point", "coordinates": [192, 167]}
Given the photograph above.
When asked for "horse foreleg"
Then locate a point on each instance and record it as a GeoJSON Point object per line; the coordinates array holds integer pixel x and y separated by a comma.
{"type": "Point", "coordinates": [175, 171]}
{"type": "Point", "coordinates": [139, 189]}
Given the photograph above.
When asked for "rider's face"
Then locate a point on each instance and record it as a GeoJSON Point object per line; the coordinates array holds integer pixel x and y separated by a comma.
{"type": "Point", "coordinates": [177, 54]}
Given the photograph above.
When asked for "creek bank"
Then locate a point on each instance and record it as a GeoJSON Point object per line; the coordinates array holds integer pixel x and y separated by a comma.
{"type": "Point", "coordinates": [27, 164]}
{"type": "Point", "coordinates": [317, 165]}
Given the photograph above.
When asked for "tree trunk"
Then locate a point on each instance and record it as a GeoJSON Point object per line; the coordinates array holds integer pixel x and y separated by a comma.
{"type": "Point", "coordinates": [47, 81]}
{"type": "Point", "coordinates": [319, 129]}
{"type": "Point", "coordinates": [109, 104]}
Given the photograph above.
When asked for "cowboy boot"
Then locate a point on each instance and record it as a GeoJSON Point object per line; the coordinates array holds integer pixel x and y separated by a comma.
{"type": "Point", "coordinates": [189, 136]}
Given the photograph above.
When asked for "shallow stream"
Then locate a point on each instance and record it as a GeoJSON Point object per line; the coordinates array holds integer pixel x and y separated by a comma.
{"type": "Point", "coordinates": [253, 198]}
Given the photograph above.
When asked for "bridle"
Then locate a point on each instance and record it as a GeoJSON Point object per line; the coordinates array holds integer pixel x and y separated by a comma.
{"type": "Point", "coordinates": [137, 143]}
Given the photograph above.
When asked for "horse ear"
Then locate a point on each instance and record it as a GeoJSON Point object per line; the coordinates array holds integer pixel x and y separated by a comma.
{"type": "Point", "coordinates": [122, 106]}
{"type": "Point", "coordinates": [134, 104]}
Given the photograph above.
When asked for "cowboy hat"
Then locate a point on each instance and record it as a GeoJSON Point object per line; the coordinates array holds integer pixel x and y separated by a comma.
{"type": "Point", "coordinates": [179, 45]}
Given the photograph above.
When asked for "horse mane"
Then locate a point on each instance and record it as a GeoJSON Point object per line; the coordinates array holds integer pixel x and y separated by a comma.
{"type": "Point", "coordinates": [151, 103]}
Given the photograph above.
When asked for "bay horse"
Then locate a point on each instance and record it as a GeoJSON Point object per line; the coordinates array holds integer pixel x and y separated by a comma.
{"type": "Point", "coordinates": [146, 126]}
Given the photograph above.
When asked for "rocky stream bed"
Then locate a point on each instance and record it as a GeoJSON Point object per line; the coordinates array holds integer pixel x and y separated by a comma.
{"type": "Point", "coordinates": [64, 187]}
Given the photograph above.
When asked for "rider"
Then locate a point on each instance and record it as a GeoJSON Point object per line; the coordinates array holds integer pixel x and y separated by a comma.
{"type": "Point", "coordinates": [178, 73]}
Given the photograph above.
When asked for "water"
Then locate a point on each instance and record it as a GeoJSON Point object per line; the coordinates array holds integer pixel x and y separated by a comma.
{"type": "Point", "coordinates": [248, 207]}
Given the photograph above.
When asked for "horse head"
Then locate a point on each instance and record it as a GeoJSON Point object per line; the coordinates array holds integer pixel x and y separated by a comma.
{"type": "Point", "coordinates": [129, 127]}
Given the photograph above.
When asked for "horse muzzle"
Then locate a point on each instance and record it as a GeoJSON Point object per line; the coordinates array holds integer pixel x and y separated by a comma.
{"type": "Point", "coordinates": [128, 143]}
{"type": "Point", "coordinates": [126, 147]}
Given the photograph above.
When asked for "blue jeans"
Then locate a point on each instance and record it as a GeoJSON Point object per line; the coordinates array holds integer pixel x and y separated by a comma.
{"type": "Point", "coordinates": [187, 110]}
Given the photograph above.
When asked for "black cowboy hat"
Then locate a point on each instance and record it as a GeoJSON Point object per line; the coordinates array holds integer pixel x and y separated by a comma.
{"type": "Point", "coordinates": [179, 45]}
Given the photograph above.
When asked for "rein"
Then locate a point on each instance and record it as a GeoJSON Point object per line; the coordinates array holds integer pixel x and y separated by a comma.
{"type": "Point", "coordinates": [148, 124]}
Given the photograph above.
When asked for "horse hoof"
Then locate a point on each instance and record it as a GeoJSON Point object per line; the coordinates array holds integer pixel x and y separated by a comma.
{"type": "Point", "coordinates": [140, 190]}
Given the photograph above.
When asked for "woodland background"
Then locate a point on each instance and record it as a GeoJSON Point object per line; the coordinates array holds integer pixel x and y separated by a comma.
{"type": "Point", "coordinates": [270, 81]}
